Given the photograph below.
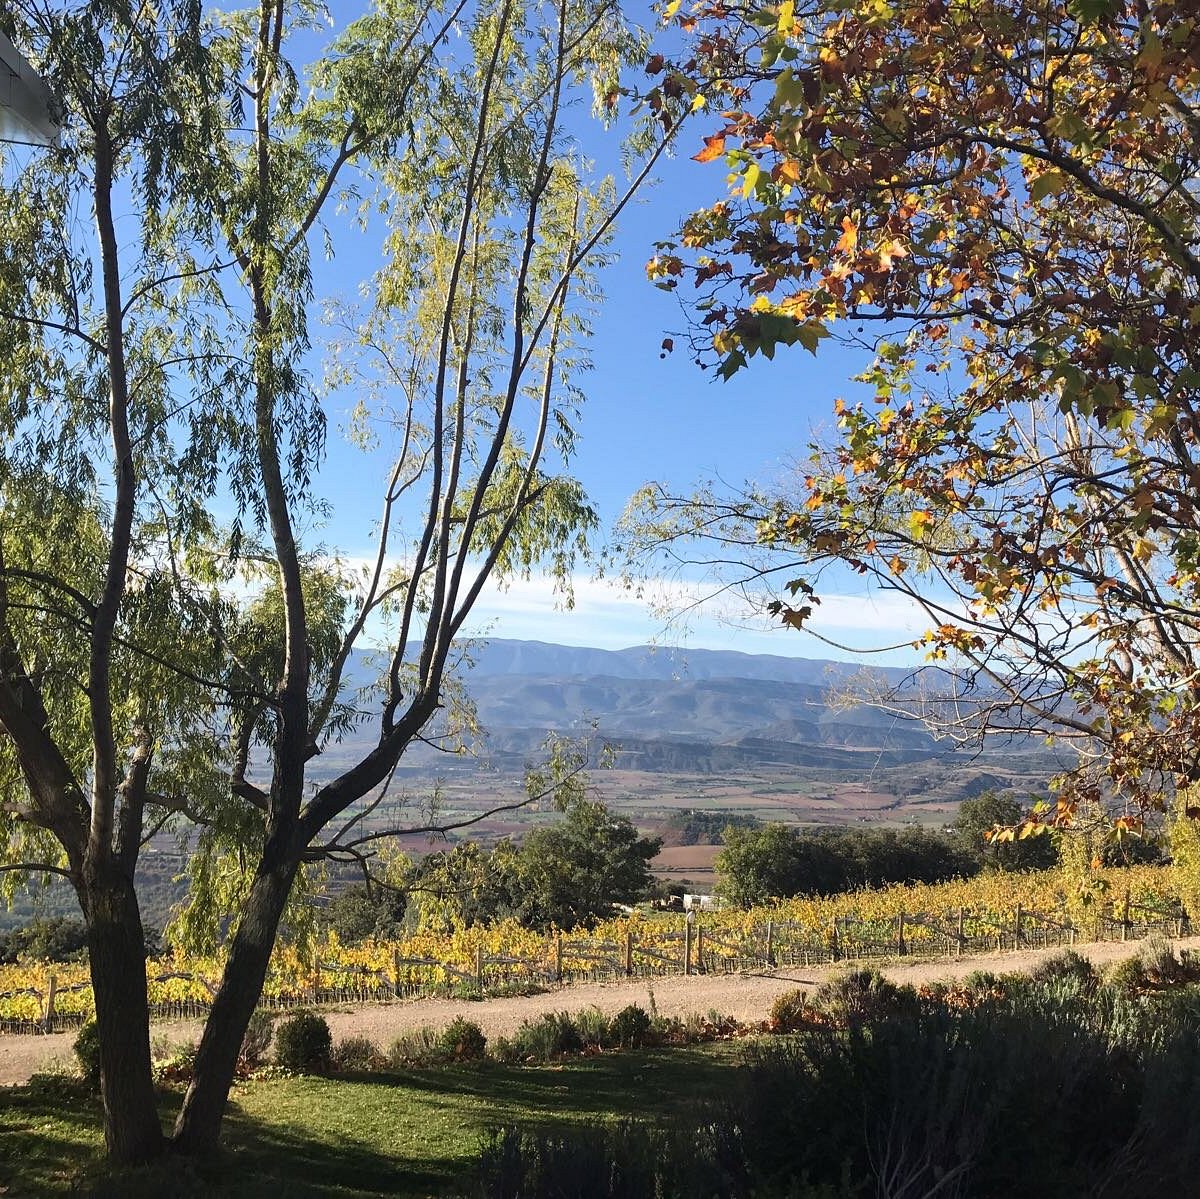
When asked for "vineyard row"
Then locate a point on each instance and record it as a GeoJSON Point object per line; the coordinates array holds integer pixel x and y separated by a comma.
{"type": "Point", "coordinates": [971, 916]}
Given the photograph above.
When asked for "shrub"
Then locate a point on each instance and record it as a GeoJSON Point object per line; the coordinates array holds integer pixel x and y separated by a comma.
{"type": "Point", "coordinates": [1128, 975]}
{"type": "Point", "coordinates": [789, 1011]}
{"type": "Point", "coordinates": [303, 1043]}
{"type": "Point", "coordinates": [1066, 965]}
{"type": "Point", "coordinates": [462, 1041]}
{"type": "Point", "coordinates": [595, 1028]}
{"type": "Point", "coordinates": [551, 1036]}
{"type": "Point", "coordinates": [87, 1050]}
{"type": "Point", "coordinates": [501, 1049]}
{"type": "Point", "coordinates": [356, 1054]}
{"type": "Point", "coordinates": [630, 1027]}
{"type": "Point", "coordinates": [175, 1065]}
{"type": "Point", "coordinates": [863, 995]}
{"type": "Point", "coordinates": [1161, 966]}
{"type": "Point", "coordinates": [421, 1047]}
{"type": "Point", "coordinates": [983, 982]}
{"type": "Point", "coordinates": [257, 1042]}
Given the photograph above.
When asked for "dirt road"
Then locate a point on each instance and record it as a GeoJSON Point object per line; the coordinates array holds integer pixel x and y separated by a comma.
{"type": "Point", "coordinates": [747, 997]}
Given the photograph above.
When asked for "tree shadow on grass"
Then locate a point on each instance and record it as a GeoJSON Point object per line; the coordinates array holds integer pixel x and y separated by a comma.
{"type": "Point", "coordinates": [415, 1136]}
{"type": "Point", "coordinates": [649, 1084]}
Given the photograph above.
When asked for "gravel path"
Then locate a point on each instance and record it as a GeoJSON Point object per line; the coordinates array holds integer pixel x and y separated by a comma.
{"type": "Point", "coordinates": [747, 997]}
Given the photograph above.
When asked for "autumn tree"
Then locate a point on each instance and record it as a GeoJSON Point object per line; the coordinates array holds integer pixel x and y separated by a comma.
{"type": "Point", "coordinates": [997, 202]}
{"type": "Point", "coordinates": [174, 639]}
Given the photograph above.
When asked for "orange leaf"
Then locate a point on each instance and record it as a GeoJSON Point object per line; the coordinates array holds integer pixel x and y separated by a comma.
{"type": "Point", "coordinates": [849, 239]}
{"type": "Point", "coordinates": [714, 147]}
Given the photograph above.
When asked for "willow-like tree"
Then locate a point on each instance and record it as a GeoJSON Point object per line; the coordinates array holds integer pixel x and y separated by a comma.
{"type": "Point", "coordinates": [997, 201]}
{"type": "Point", "coordinates": [171, 651]}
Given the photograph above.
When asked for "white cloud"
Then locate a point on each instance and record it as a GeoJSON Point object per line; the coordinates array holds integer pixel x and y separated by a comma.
{"type": "Point", "coordinates": [609, 616]}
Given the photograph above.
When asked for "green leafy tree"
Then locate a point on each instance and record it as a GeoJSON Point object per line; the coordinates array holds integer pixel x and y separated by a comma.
{"type": "Point", "coordinates": [979, 819]}
{"type": "Point", "coordinates": [761, 864]}
{"type": "Point", "coordinates": [174, 639]}
{"type": "Point", "coordinates": [573, 872]}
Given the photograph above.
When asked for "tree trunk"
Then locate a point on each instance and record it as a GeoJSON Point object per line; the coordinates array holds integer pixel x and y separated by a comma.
{"type": "Point", "coordinates": [199, 1125]}
{"type": "Point", "coordinates": [117, 954]}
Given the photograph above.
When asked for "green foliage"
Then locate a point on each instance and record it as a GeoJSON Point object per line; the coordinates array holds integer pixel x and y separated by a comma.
{"type": "Point", "coordinates": [1066, 964]}
{"type": "Point", "coordinates": [775, 861]}
{"type": "Point", "coordinates": [256, 1042]}
{"type": "Point", "coordinates": [552, 1035]}
{"type": "Point", "coordinates": [87, 1052]}
{"type": "Point", "coordinates": [303, 1043]}
{"type": "Point", "coordinates": [790, 1011]}
{"type": "Point", "coordinates": [356, 1055]}
{"type": "Point", "coordinates": [51, 939]}
{"type": "Point", "coordinates": [1086, 1085]}
{"type": "Point", "coordinates": [704, 828]}
{"type": "Point", "coordinates": [980, 816]}
{"type": "Point", "coordinates": [174, 635]}
{"type": "Point", "coordinates": [630, 1027]}
{"type": "Point", "coordinates": [357, 914]}
{"type": "Point", "coordinates": [573, 872]}
{"type": "Point", "coordinates": [596, 1030]}
{"type": "Point", "coordinates": [421, 1047]}
{"type": "Point", "coordinates": [463, 1041]}
{"type": "Point", "coordinates": [863, 997]}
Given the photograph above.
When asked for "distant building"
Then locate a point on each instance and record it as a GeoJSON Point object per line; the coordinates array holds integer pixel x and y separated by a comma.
{"type": "Point", "coordinates": [702, 903]}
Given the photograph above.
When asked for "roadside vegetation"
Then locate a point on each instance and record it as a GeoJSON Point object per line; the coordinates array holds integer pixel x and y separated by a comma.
{"type": "Point", "coordinates": [1064, 1081]}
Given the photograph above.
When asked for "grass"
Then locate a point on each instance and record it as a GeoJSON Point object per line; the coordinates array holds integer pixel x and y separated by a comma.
{"type": "Point", "coordinates": [412, 1133]}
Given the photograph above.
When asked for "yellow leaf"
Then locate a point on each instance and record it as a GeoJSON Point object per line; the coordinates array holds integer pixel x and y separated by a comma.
{"type": "Point", "coordinates": [849, 239]}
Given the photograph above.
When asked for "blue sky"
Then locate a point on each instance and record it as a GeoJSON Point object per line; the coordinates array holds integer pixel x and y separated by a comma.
{"type": "Point", "coordinates": [650, 417]}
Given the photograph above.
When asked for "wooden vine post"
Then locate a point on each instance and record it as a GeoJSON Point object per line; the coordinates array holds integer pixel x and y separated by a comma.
{"type": "Point", "coordinates": [628, 953]}
{"type": "Point", "coordinates": [901, 947]}
{"type": "Point", "coordinates": [1017, 919]}
{"type": "Point", "coordinates": [51, 994]}
{"type": "Point", "coordinates": [770, 942]}
{"type": "Point", "coordinates": [1125, 917]}
{"type": "Point", "coordinates": [688, 924]}
{"type": "Point", "coordinates": [558, 956]}
{"type": "Point", "coordinates": [961, 935]}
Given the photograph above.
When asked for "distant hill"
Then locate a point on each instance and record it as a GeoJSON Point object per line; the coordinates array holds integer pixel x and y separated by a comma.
{"type": "Point", "coordinates": [693, 711]}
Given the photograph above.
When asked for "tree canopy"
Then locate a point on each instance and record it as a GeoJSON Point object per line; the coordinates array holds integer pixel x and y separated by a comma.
{"type": "Point", "coordinates": [174, 636]}
{"type": "Point", "coordinates": [996, 201]}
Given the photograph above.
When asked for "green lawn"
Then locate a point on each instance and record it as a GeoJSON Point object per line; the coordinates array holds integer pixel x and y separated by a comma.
{"type": "Point", "coordinates": [409, 1134]}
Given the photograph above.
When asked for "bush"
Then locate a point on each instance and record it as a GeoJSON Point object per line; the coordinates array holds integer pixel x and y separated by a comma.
{"type": "Point", "coordinates": [502, 1050]}
{"type": "Point", "coordinates": [87, 1051]}
{"type": "Point", "coordinates": [421, 1047]}
{"type": "Point", "coordinates": [553, 1035]}
{"type": "Point", "coordinates": [462, 1041]}
{"type": "Point", "coordinates": [303, 1043]}
{"type": "Point", "coordinates": [595, 1028]}
{"type": "Point", "coordinates": [356, 1055]}
{"type": "Point", "coordinates": [175, 1065]}
{"type": "Point", "coordinates": [1128, 975]}
{"type": "Point", "coordinates": [863, 995]}
{"type": "Point", "coordinates": [1162, 967]}
{"type": "Point", "coordinates": [1066, 965]}
{"type": "Point", "coordinates": [630, 1027]}
{"type": "Point", "coordinates": [789, 1012]}
{"type": "Point", "coordinates": [256, 1044]}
